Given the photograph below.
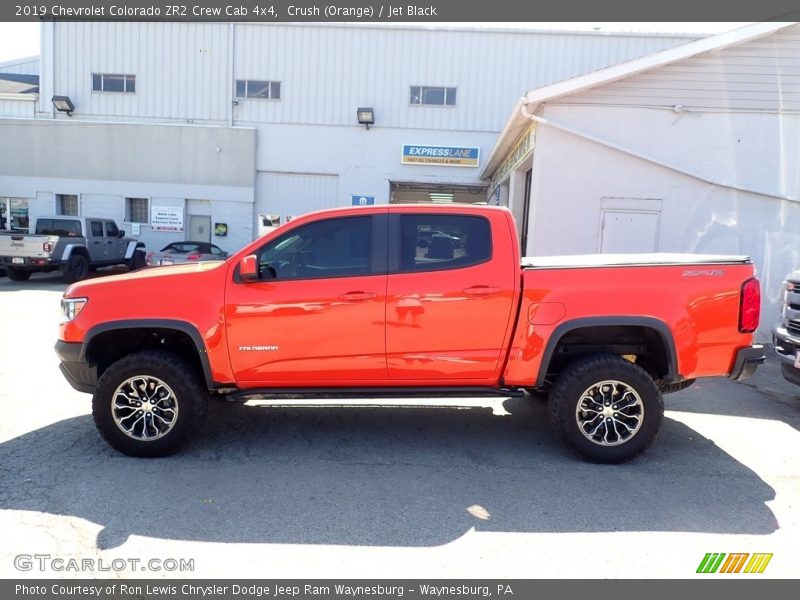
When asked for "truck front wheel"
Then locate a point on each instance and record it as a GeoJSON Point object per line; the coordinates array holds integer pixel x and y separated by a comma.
{"type": "Point", "coordinates": [147, 404]}
{"type": "Point", "coordinates": [606, 408]}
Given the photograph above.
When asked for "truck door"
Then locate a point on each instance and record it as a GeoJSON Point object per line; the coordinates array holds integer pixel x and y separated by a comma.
{"type": "Point", "coordinates": [449, 297]}
{"type": "Point", "coordinates": [316, 316]}
{"type": "Point", "coordinates": [96, 242]}
{"type": "Point", "coordinates": [114, 243]}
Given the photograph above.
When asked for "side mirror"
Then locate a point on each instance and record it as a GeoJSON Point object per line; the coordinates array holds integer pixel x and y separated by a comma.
{"type": "Point", "coordinates": [248, 268]}
{"type": "Point", "coordinates": [121, 233]}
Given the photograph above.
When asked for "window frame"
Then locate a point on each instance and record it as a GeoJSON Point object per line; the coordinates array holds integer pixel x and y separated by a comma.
{"type": "Point", "coordinates": [129, 211]}
{"type": "Point", "coordinates": [59, 199]}
{"type": "Point", "coordinates": [91, 223]}
{"type": "Point", "coordinates": [396, 240]}
{"type": "Point", "coordinates": [270, 85]}
{"type": "Point", "coordinates": [126, 77]}
{"type": "Point", "coordinates": [446, 90]}
{"type": "Point", "coordinates": [377, 251]}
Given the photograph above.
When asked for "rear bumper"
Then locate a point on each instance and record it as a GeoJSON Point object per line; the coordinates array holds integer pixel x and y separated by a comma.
{"type": "Point", "coordinates": [78, 373]}
{"type": "Point", "coordinates": [747, 361]}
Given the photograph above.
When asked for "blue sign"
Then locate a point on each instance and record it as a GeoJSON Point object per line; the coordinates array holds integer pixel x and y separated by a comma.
{"type": "Point", "coordinates": [443, 156]}
{"type": "Point", "coordinates": [362, 200]}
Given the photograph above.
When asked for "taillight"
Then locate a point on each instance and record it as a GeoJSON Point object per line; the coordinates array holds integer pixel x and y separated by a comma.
{"type": "Point", "coordinates": [750, 306]}
{"type": "Point", "coordinates": [47, 246]}
{"type": "Point", "coordinates": [192, 257]}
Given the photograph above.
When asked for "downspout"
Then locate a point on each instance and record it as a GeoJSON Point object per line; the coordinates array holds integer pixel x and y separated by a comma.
{"type": "Point", "coordinates": [231, 82]}
{"type": "Point", "coordinates": [586, 136]}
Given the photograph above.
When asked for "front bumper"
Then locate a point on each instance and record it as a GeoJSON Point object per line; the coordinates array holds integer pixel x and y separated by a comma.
{"type": "Point", "coordinates": [786, 347]}
{"type": "Point", "coordinates": [747, 361]}
{"type": "Point", "coordinates": [78, 372]}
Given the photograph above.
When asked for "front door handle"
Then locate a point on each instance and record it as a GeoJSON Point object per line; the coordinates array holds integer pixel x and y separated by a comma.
{"type": "Point", "coordinates": [481, 290]}
{"type": "Point", "coordinates": [357, 296]}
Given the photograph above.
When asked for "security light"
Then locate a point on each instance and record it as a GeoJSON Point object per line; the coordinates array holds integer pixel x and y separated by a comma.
{"type": "Point", "coordinates": [366, 117]}
{"type": "Point", "coordinates": [63, 104]}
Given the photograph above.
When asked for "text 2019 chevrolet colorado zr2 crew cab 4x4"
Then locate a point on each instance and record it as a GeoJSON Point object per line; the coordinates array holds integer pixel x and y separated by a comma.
{"type": "Point", "coordinates": [361, 300]}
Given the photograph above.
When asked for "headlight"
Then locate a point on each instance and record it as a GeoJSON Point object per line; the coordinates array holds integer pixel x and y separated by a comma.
{"type": "Point", "coordinates": [72, 307]}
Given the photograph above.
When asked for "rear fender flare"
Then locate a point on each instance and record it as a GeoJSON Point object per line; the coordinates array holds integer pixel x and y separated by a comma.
{"type": "Point", "coordinates": [660, 327]}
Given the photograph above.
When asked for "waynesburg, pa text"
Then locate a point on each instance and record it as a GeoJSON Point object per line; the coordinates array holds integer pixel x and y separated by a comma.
{"type": "Point", "coordinates": [259, 591]}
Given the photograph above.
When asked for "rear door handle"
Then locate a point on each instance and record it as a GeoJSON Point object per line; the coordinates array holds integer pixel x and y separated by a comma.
{"type": "Point", "coordinates": [95, 242]}
{"type": "Point", "coordinates": [481, 290]}
{"type": "Point", "coordinates": [357, 296]}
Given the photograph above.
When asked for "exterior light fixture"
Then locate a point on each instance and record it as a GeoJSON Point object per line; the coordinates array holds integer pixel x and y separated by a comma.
{"type": "Point", "coordinates": [366, 117]}
{"type": "Point", "coordinates": [63, 104]}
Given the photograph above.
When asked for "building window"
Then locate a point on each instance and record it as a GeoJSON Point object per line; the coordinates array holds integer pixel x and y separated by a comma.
{"type": "Point", "coordinates": [253, 88]}
{"type": "Point", "coordinates": [67, 204]}
{"type": "Point", "coordinates": [136, 210]}
{"type": "Point", "coordinates": [422, 95]}
{"type": "Point", "coordinates": [106, 82]}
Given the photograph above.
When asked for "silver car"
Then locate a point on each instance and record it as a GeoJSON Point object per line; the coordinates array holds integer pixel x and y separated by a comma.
{"type": "Point", "coordinates": [184, 252]}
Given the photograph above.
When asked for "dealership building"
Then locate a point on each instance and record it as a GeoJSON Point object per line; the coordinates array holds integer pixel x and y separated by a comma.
{"type": "Point", "coordinates": [215, 131]}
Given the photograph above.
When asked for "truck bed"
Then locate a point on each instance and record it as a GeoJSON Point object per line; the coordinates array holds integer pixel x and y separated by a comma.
{"type": "Point", "coordinates": [623, 260]}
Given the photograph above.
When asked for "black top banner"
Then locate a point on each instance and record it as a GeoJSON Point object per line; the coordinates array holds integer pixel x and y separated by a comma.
{"type": "Point", "coordinates": [395, 11]}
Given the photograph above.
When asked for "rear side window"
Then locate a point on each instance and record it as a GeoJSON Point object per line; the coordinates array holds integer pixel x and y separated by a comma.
{"type": "Point", "coordinates": [60, 227]}
{"type": "Point", "coordinates": [328, 248]}
{"type": "Point", "coordinates": [97, 228]}
{"type": "Point", "coordinates": [434, 242]}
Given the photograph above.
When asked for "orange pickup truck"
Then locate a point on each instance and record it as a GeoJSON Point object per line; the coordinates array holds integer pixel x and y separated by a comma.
{"type": "Point", "coordinates": [424, 300]}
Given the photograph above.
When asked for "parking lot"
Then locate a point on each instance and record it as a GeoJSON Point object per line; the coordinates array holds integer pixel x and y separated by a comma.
{"type": "Point", "coordinates": [480, 490]}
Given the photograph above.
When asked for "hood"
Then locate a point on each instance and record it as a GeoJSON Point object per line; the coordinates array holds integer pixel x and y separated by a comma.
{"type": "Point", "coordinates": [152, 275]}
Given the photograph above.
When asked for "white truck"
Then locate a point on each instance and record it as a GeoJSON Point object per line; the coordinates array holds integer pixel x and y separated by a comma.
{"type": "Point", "coordinates": [73, 245]}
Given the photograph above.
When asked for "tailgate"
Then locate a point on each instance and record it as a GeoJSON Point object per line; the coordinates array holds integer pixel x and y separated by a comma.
{"type": "Point", "coordinates": [20, 245]}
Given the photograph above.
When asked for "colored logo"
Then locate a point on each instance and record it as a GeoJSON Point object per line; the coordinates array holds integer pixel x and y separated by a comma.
{"type": "Point", "coordinates": [734, 563]}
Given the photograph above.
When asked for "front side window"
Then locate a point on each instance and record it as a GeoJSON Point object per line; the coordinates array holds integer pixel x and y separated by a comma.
{"type": "Point", "coordinates": [256, 88]}
{"type": "Point", "coordinates": [329, 248]}
{"type": "Point", "coordinates": [434, 242]}
{"type": "Point", "coordinates": [424, 95]}
{"type": "Point", "coordinates": [112, 82]}
{"type": "Point", "coordinates": [111, 229]}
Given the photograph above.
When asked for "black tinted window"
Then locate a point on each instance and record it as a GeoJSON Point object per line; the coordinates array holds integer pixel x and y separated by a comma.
{"type": "Point", "coordinates": [59, 227]}
{"type": "Point", "coordinates": [330, 248]}
{"type": "Point", "coordinates": [97, 228]}
{"type": "Point", "coordinates": [111, 229]}
{"type": "Point", "coordinates": [432, 242]}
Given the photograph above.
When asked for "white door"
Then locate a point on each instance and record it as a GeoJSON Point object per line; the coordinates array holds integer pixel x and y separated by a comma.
{"type": "Point", "coordinates": [629, 231]}
{"type": "Point", "coordinates": [199, 228]}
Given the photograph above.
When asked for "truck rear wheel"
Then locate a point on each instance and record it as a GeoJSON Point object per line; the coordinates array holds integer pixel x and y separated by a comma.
{"type": "Point", "coordinates": [77, 268]}
{"type": "Point", "coordinates": [18, 275]}
{"type": "Point", "coordinates": [606, 408]}
{"type": "Point", "coordinates": [147, 404]}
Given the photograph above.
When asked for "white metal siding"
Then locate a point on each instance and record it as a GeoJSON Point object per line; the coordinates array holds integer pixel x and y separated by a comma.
{"type": "Point", "coordinates": [28, 66]}
{"type": "Point", "coordinates": [760, 75]}
{"type": "Point", "coordinates": [181, 68]}
{"type": "Point", "coordinates": [20, 109]}
{"type": "Point", "coordinates": [326, 71]}
{"type": "Point", "coordinates": [294, 194]}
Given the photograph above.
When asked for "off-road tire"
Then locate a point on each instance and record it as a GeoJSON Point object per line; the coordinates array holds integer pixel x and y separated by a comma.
{"type": "Point", "coordinates": [18, 275]}
{"type": "Point", "coordinates": [671, 388]}
{"type": "Point", "coordinates": [577, 379]}
{"type": "Point", "coordinates": [77, 269]}
{"type": "Point", "coordinates": [189, 390]}
{"type": "Point", "coordinates": [138, 261]}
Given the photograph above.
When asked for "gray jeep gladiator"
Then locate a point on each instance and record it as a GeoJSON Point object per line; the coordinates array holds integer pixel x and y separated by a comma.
{"type": "Point", "coordinates": [73, 245]}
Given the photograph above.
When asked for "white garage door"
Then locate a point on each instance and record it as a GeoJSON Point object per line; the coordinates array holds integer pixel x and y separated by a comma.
{"type": "Point", "coordinates": [292, 194]}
